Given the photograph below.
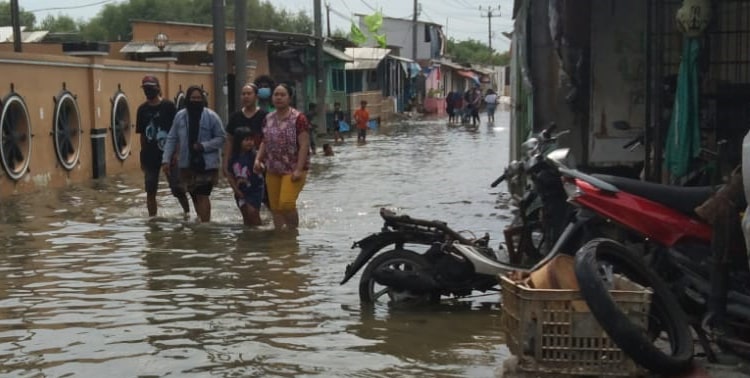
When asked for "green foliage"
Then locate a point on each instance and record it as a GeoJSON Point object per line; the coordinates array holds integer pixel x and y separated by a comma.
{"type": "Point", "coordinates": [473, 51]}
{"type": "Point", "coordinates": [59, 24]}
{"type": "Point", "coordinates": [27, 19]}
{"type": "Point", "coordinates": [373, 23]}
{"type": "Point", "coordinates": [113, 22]}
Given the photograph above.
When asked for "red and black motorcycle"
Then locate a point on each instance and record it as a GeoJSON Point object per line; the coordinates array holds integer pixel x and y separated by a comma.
{"type": "Point", "coordinates": [659, 222]}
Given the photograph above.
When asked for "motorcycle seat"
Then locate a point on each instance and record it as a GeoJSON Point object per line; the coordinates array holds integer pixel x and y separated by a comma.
{"type": "Point", "coordinates": [681, 198]}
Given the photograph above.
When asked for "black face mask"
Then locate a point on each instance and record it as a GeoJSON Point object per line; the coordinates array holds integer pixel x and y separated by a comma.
{"type": "Point", "coordinates": [194, 107]}
{"type": "Point", "coordinates": [151, 93]}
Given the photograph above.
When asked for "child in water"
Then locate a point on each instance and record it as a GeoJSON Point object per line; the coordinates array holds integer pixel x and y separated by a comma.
{"type": "Point", "coordinates": [247, 185]}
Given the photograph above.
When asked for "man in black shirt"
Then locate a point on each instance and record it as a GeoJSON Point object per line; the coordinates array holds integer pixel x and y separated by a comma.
{"type": "Point", "coordinates": [154, 119]}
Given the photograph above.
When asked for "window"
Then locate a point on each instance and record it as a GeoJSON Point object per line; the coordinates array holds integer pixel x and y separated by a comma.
{"type": "Point", "coordinates": [338, 80]}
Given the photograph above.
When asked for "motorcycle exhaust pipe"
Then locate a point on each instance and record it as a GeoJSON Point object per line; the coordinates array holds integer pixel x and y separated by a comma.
{"type": "Point", "coordinates": [417, 282]}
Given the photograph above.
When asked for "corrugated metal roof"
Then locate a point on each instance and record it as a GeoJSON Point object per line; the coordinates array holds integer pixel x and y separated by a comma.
{"type": "Point", "coordinates": [178, 47]}
{"type": "Point", "coordinates": [365, 58]}
{"type": "Point", "coordinates": [338, 54]}
{"type": "Point", "coordinates": [401, 58]}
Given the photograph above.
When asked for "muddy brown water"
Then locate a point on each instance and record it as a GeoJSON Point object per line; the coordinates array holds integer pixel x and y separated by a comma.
{"type": "Point", "coordinates": [90, 287]}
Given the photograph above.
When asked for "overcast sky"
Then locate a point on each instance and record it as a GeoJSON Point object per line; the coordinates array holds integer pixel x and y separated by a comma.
{"type": "Point", "coordinates": [461, 19]}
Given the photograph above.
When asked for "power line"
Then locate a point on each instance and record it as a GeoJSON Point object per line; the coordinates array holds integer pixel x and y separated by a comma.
{"type": "Point", "coordinates": [368, 5]}
{"type": "Point", "coordinates": [71, 7]}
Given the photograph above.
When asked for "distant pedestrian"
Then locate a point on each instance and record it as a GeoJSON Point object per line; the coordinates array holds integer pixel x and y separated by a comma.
{"type": "Point", "coordinates": [285, 154]}
{"type": "Point", "coordinates": [153, 121]}
{"type": "Point", "coordinates": [338, 118]}
{"type": "Point", "coordinates": [247, 185]}
{"type": "Point", "coordinates": [265, 85]}
{"type": "Point", "coordinates": [311, 114]}
{"type": "Point", "coordinates": [475, 99]}
{"type": "Point", "coordinates": [450, 102]}
{"type": "Point", "coordinates": [490, 101]}
{"type": "Point", "coordinates": [198, 135]}
{"type": "Point", "coordinates": [327, 150]}
{"type": "Point", "coordinates": [361, 118]}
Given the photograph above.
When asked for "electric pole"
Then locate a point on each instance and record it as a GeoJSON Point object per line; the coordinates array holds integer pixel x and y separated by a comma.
{"type": "Point", "coordinates": [320, 72]}
{"type": "Point", "coordinates": [15, 21]}
{"type": "Point", "coordinates": [414, 32]}
{"type": "Point", "coordinates": [328, 18]}
{"type": "Point", "coordinates": [240, 51]}
{"type": "Point", "coordinates": [220, 60]}
{"type": "Point", "coordinates": [489, 16]}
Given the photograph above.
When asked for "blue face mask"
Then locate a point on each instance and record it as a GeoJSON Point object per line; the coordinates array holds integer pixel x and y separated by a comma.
{"type": "Point", "coordinates": [264, 93]}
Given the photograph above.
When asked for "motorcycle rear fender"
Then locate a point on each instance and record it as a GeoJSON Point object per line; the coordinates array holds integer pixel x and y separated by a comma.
{"type": "Point", "coordinates": [370, 245]}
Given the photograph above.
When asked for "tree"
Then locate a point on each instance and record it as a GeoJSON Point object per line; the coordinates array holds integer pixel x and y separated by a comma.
{"type": "Point", "coordinates": [60, 24]}
{"type": "Point", "coordinates": [113, 22]}
{"type": "Point", "coordinates": [473, 51]}
{"type": "Point", "coordinates": [27, 18]}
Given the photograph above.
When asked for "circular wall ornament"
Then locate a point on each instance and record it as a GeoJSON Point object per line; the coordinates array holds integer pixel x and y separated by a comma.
{"type": "Point", "coordinates": [67, 130]}
{"type": "Point", "coordinates": [179, 100]}
{"type": "Point", "coordinates": [15, 139]}
{"type": "Point", "coordinates": [122, 129]}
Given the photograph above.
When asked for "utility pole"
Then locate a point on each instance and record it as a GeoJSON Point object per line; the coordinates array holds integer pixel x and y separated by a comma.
{"type": "Point", "coordinates": [328, 18]}
{"type": "Point", "coordinates": [320, 73]}
{"type": "Point", "coordinates": [240, 50]}
{"type": "Point", "coordinates": [15, 21]}
{"type": "Point", "coordinates": [489, 16]}
{"type": "Point", "coordinates": [220, 60]}
{"type": "Point", "coordinates": [414, 32]}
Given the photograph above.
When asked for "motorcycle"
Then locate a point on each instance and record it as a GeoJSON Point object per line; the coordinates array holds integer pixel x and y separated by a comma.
{"type": "Point", "coordinates": [451, 265]}
{"type": "Point", "coordinates": [659, 222]}
{"type": "Point", "coordinates": [536, 193]}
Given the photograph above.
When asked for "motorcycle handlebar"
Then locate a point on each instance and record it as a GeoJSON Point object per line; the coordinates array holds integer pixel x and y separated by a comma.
{"type": "Point", "coordinates": [547, 133]}
{"type": "Point", "coordinates": [498, 181]}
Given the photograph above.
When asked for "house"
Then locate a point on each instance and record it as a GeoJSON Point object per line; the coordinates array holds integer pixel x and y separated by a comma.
{"type": "Point", "coordinates": [431, 45]}
{"type": "Point", "coordinates": [608, 74]}
{"type": "Point", "coordinates": [431, 41]}
{"type": "Point", "coordinates": [386, 81]}
{"type": "Point", "coordinates": [287, 57]}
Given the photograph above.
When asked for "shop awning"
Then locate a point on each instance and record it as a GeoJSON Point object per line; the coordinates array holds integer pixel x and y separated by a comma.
{"type": "Point", "coordinates": [365, 58]}
{"type": "Point", "coordinates": [469, 75]}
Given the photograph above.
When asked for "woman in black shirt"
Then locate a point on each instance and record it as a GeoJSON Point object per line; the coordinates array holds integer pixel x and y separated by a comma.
{"type": "Point", "coordinates": [249, 116]}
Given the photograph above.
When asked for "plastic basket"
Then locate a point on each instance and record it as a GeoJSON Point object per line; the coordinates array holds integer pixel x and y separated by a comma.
{"type": "Point", "coordinates": [553, 332]}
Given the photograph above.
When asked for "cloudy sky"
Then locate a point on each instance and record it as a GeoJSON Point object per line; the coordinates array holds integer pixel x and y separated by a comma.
{"type": "Point", "coordinates": [462, 19]}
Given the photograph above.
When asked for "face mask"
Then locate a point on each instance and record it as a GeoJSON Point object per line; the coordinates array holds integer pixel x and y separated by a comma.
{"type": "Point", "coordinates": [264, 93]}
{"type": "Point", "coordinates": [151, 93]}
{"type": "Point", "coordinates": [194, 106]}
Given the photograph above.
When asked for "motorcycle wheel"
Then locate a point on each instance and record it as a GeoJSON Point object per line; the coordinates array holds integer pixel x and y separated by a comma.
{"type": "Point", "coordinates": [370, 292]}
{"type": "Point", "coordinates": [665, 314]}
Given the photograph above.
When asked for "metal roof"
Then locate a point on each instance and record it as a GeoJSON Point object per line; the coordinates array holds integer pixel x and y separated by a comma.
{"type": "Point", "coordinates": [336, 53]}
{"type": "Point", "coordinates": [365, 58]}
{"type": "Point", "coordinates": [178, 47]}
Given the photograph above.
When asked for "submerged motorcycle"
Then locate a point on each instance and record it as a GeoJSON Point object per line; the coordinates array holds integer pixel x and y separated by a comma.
{"type": "Point", "coordinates": [451, 264]}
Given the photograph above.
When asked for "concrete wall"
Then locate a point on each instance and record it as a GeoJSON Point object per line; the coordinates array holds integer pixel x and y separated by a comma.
{"type": "Point", "coordinates": [618, 78]}
{"type": "Point", "coordinates": [94, 82]}
{"type": "Point", "coordinates": [377, 105]}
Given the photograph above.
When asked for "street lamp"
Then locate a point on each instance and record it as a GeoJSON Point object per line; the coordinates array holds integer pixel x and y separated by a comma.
{"type": "Point", "coordinates": [160, 40]}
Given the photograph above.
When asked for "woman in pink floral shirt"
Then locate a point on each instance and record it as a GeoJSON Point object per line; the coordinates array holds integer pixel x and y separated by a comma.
{"type": "Point", "coordinates": [284, 152]}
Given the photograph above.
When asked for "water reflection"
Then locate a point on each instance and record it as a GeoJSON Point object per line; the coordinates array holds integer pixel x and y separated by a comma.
{"type": "Point", "coordinates": [89, 286]}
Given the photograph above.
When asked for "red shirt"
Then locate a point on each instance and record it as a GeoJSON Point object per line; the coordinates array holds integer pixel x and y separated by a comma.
{"type": "Point", "coordinates": [280, 138]}
{"type": "Point", "coordinates": [362, 117]}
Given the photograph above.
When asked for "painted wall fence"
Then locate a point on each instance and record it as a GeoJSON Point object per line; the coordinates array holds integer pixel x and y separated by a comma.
{"type": "Point", "coordinates": [54, 106]}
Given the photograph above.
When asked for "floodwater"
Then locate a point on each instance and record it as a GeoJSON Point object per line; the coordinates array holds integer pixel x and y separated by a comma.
{"type": "Point", "coordinates": [89, 286]}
